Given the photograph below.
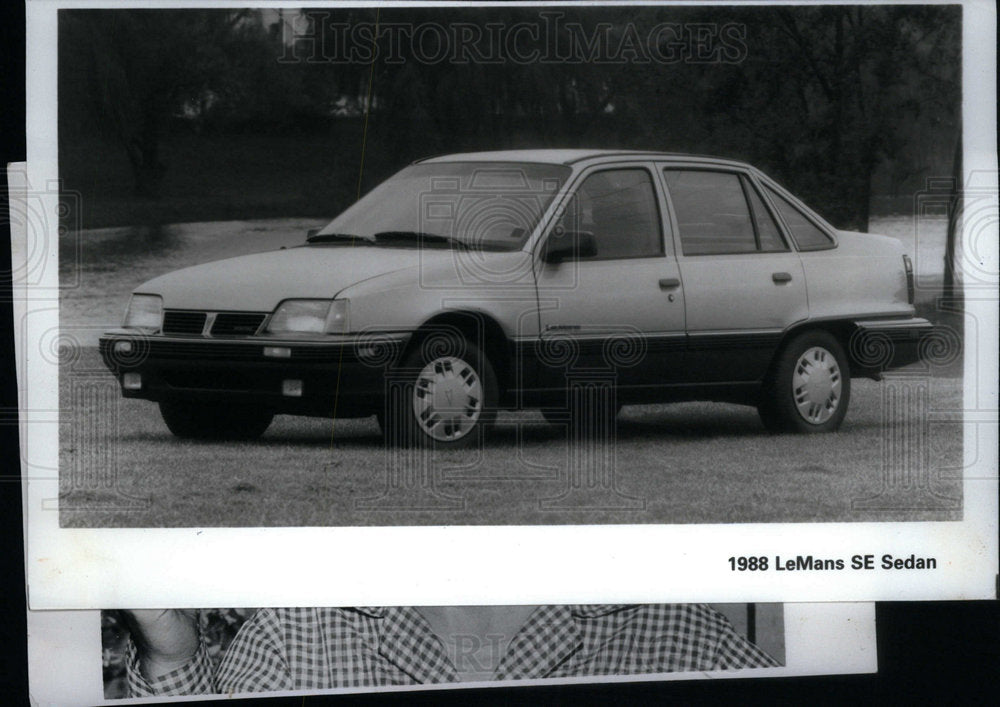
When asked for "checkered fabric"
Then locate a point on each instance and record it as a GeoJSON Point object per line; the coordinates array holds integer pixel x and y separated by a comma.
{"type": "Point", "coordinates": [195, 678]}
{"type": "Point", "coordinates": [302, 649]}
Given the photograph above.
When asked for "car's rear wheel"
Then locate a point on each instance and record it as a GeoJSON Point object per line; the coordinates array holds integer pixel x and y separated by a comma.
{"type": "Point", "coordinates": [214, 421]}
{"type": "Point", "coordinates": [449, 399]}
{"type": "Point", "coordinates": [809, 386]}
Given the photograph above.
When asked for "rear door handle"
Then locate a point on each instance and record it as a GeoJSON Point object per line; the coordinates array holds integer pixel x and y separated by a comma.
{"type": "Point", "coordinates": [780, 277]}
{"type": "Point", "coordinates": [669, 283]}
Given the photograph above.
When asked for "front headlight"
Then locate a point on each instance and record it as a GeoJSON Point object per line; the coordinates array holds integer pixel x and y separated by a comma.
{"type": "Point", "coordinates": [144, 312]}
{"type": "Point", "coordinates": [310, 316]}
{"type": "Point", "coordinates": [338, 320]}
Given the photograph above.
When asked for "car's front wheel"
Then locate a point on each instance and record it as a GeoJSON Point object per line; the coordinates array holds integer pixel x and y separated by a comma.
{"type": "Point", "coordinates": [214, 421]}
{"type": "Point", "coordinates": [448, 398]}
{"type": "Point", "coordinates": [809, 386]}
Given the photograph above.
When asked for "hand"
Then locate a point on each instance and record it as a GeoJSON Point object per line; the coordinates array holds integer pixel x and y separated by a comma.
{"type": "Point", "coordinates": [166, 638]}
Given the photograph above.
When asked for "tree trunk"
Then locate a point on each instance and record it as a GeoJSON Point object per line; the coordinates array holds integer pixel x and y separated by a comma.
{"type": "Point", "coordinates": [865, 199]}
{"type": "Point", "coordinates": [954, 215]}
{"type": "Point", "coordinates": [143, 150]}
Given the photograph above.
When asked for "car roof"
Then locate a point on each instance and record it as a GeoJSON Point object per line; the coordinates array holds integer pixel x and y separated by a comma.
{"type": "Point", "coordinates": [571, 156]}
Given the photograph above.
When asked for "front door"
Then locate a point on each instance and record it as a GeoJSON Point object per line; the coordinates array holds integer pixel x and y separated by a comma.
{"type": "Point", "coordinates": [620, 310]}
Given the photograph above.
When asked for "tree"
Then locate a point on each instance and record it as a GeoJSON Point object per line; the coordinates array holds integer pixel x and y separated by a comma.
{"type": "Point", "coordinates": [142, 66]}
{"type": "Point", "coordinates": [822, 98]}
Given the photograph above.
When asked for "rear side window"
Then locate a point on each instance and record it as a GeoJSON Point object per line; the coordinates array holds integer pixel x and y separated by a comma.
{"type": "Point", "coordinates": [711, 211]}
{"type": "Point", "coordinates": [807, 235]}
{"type": "Point", "coordinates": [767, 229]}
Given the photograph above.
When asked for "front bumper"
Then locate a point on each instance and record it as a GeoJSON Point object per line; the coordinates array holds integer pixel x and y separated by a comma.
{"type": "Point", "coordinates": [346, 375]}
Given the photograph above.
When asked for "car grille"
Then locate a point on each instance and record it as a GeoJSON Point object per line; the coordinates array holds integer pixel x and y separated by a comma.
{"type": "Point", "coordinates": [176, 321]}
{"type": "Point", "coordinates": [237, 323]}
{"type": "Point", "coordinates": [206, 350]}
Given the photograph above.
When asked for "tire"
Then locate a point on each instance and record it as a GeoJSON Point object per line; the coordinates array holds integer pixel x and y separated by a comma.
{"type": "Point", "coordinates": [449, 397]}
{"type": "Point", "coordinates": [808, 388]}
{"type": "Point", "coordinates": [214, 421]}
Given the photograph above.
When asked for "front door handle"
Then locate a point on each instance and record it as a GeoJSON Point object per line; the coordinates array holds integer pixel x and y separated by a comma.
{"type": "Point", "coordinates": [781, 277]}
{"type": "Point", "coordinates": [669, 283]}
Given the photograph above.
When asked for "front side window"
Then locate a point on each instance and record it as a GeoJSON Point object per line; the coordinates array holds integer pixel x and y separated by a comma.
{"type": "Point", "coordinates": [807, 235]}
{"type": "Point", "coordinates": [618, 207]}
{"type": "Point", "coordinates": [711, 211]}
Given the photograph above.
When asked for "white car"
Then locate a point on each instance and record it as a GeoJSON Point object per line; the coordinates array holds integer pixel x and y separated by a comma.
{"type": "Point", "coordinates": [573, 281]}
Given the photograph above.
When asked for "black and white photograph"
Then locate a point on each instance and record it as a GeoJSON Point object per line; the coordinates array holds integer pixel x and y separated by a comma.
{"type": "Point", "coordinates": [633, 299]}
{"type": "Point", "coordinates": [396, 266]}
{"type": "Point", "coordinates": [118, 657]}
{"type": "Point", "coordinates": [588, 352]}
{"type": "Point", "coordinates": [232, 651]}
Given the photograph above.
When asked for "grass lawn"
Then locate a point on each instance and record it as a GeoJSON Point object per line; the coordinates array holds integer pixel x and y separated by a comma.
{"type": "Point", "coordinates": [685, 463]}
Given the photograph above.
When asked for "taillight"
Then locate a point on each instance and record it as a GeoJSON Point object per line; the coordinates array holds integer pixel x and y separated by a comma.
{"type": "Point", "coordinates": [908, 267]}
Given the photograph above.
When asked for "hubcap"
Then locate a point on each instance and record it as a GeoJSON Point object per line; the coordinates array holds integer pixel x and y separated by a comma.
{"type": "Point", "coordinates": [816, 385]}
{"type": "Point", "coordinates": [447, 399]}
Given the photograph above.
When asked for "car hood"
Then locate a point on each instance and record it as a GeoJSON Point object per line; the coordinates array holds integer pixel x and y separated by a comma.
{"type": "Point", "coordinates": [259, 282]}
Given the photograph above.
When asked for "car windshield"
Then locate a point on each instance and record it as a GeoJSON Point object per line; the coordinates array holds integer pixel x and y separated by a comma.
{"type": "Point", "coordinates": [477, 205]}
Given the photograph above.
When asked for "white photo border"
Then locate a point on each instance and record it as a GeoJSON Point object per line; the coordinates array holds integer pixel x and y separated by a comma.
{"type": "Point", "coordinates": [344, 566]}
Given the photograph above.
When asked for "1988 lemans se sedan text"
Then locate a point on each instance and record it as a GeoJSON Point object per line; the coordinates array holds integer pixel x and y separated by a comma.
{"type": "Point", "coordinates": [760, 563]}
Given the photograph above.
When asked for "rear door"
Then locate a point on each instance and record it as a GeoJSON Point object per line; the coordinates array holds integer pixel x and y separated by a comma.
{"type": "Point", "coordinates": [743, 283]}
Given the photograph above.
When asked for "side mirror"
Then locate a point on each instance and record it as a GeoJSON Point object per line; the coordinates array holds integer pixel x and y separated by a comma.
{"type": "Point", "coordinates": [569, 245]}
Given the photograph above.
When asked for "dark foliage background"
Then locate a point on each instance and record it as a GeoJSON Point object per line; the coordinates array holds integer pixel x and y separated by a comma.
{"type": "Point", "coordinates": [185, 115]}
